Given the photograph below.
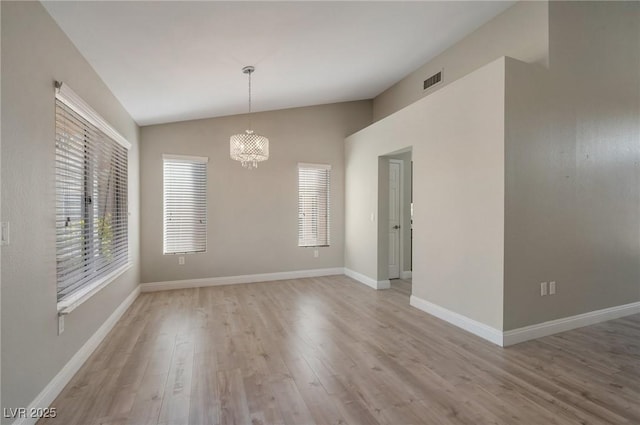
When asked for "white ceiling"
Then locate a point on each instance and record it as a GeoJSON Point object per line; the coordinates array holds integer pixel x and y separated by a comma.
{"type": "Point", "coordinates": [173, 61]}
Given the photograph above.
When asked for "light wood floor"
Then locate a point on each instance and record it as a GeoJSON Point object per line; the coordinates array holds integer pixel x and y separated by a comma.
{"type": "Point", "coordinates": [332, 351]}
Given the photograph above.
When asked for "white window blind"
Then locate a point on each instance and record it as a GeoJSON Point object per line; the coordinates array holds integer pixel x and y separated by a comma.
{"type": "Point", "coordinates": [91, 197]}
{"type": "Point", "coordinates": [313, 204]}
{"type": "Point", "coordinates": [185, 204]}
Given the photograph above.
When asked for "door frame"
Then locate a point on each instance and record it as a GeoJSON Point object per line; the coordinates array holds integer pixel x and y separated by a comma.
{"type": "Point", "coordinates": [401, 216]}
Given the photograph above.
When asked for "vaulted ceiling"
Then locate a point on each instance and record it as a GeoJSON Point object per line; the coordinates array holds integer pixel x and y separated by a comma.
{"type": "Point", "coordinates": [172, 61]}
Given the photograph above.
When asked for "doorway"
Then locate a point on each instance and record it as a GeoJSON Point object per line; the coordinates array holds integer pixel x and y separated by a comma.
{"type": "Point", "coordinates": [395, 217]}
{"type": "Point", "coordinates": [395, 213]}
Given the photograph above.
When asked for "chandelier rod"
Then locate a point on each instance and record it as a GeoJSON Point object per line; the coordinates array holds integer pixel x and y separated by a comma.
{"type": "Point", "coordinates": [249, 70]}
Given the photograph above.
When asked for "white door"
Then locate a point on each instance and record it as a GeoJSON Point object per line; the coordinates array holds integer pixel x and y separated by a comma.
{"type": "Point", "coordinates": [395, 174]}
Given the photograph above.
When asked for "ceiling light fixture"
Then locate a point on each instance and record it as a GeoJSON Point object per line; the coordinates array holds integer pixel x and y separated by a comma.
{"type": "Point", "coordinates": [249, 148]}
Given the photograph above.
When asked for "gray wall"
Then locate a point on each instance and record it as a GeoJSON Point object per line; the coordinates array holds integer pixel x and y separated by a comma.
{"type": "Point", "coordinates": [0, 212]}
{"type": "Point", "coordinates": [571, 176]}
{"type": "Point", "coordinates": [253, 214]}
{"type": "Point", "coordinates": [521, 32]}
{"type": "Point", "coordinates": [35, 52]}
{"type": "Point", "coordinates": [457, 140]}
{"type": "Point", "coordinates": [573, 167]}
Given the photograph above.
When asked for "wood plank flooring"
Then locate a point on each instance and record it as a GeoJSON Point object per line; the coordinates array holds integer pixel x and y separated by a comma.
{"type": "Point", "coordinates": [332, 351]}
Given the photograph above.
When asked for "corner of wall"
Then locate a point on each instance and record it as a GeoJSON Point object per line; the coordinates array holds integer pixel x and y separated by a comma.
{"type": "Point", "coordinates": [566, 130]}
{"type": "Point", "coordinates": [32, 45]}
{"type": "Point", "coordinates": [521, 31]}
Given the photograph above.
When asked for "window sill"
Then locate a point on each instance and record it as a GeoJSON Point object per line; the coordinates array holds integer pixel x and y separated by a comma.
{"type": "Point", "coordinates": [74, 301]}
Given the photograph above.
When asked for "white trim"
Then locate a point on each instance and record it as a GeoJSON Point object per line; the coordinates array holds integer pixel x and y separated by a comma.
{"type": "Point", "coordinates": [375, 284]}
{"type": "Point", "coordinates": [526, 333]}
{"type": "Point", "coordinates": [316, 166]}
{"type": "Point", "coordinates": [477, 328]}
{"type": "Point", "coordinates": [234, 280]}
{"type": "Point", "coordinates": [170, 156]}
{"type": "Point", "coordinates": [406, 274]}
{"type": "Point", "coordinates": [539, 330]}
{"type": "Point", "coordinates": [73, 301]}
{"type": "Point", "coordinates": [383, 284]}
{"type": "Point", "coordinates": [75, 102]}
{"type": "Point", "coordinates": [57, 384]}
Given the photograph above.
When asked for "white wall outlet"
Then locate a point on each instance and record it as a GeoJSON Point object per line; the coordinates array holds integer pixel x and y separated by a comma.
{"type": "Point", "coordinates": [181, 261]}
{"type": "Point", "coordinates": [316, 253]}
{"type": "Point", "coordinates": [552, 288]}
{"type": "Point", "coordinates": [4, 233]}
{"type": "Point", "coordinates": [60, 324]}
{"type": "Point", "coordinates": [543, 289]}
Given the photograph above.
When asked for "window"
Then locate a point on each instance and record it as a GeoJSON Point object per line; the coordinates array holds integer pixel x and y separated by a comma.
{"type": "Point", "coordinates": [91, 199]}
{"type": "Point", "coordinates": [185, 204]}
{"type": "Point", "coordinates": [313, 204]}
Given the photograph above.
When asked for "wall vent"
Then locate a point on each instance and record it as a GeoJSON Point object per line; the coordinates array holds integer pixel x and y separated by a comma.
{"type": "Point", "coordinates": [434, 79]}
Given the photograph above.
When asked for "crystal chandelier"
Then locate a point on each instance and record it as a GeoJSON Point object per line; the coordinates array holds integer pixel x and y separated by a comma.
{"type": "Point", "coordinates": [249, 148]}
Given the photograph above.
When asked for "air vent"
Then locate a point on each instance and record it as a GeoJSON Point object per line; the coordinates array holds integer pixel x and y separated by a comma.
{"type": "Point", "coordinates": [434, 79]}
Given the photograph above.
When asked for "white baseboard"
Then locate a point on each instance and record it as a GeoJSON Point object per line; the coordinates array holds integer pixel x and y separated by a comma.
{"type": "Point", "coordinates": [526, 333]}
{"type": "Point", "coordinates": [568, 323]}
{"type": "Point", "coordinates": [383, 284]}
{"type": "Point", "coordinates": [470, 325]}
{"type": "Point", "coordinates": [406, 274]}
{"type": "Point", "coordinates": [233, 280]}
{"type": "Point", "coordinates": [375, 284]}
{"type": "Point", "coordinates": [57, 384]}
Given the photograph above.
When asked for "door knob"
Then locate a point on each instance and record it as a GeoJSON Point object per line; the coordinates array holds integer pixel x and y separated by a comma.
{"type": "Point", "coordinates": [396, 227]}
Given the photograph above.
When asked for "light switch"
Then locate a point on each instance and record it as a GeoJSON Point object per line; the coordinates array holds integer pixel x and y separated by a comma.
{"type": "Point", "coordinates": [4, 233]}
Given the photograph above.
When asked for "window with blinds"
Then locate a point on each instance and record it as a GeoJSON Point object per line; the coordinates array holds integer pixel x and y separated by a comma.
{"type": "Point", "coordinates": [313, 204]}
{"type": "Point", "coordinates": [185, 204]}
{"type": "Point", "coordinates": [91, 198]}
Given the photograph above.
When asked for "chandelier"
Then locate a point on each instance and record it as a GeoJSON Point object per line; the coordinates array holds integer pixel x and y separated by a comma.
{"type": "Point", "coordinates": [249, 148]}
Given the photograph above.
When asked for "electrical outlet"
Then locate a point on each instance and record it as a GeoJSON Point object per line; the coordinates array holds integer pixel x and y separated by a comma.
{"type": "Point", "coordinates": [181, 261]}
{"type": "Point", "coordinates": [316, 253]}
{"type": "Point", "coordinates": [60, 324]}
{"type": "Point", "coordinates": [552, 288]}
{"type": "Point", "coordinates": [543, 289]}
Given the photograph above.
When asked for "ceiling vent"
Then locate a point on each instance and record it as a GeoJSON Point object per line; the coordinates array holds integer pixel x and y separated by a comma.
{"type": "Point", "coordinates": [434, 79]}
